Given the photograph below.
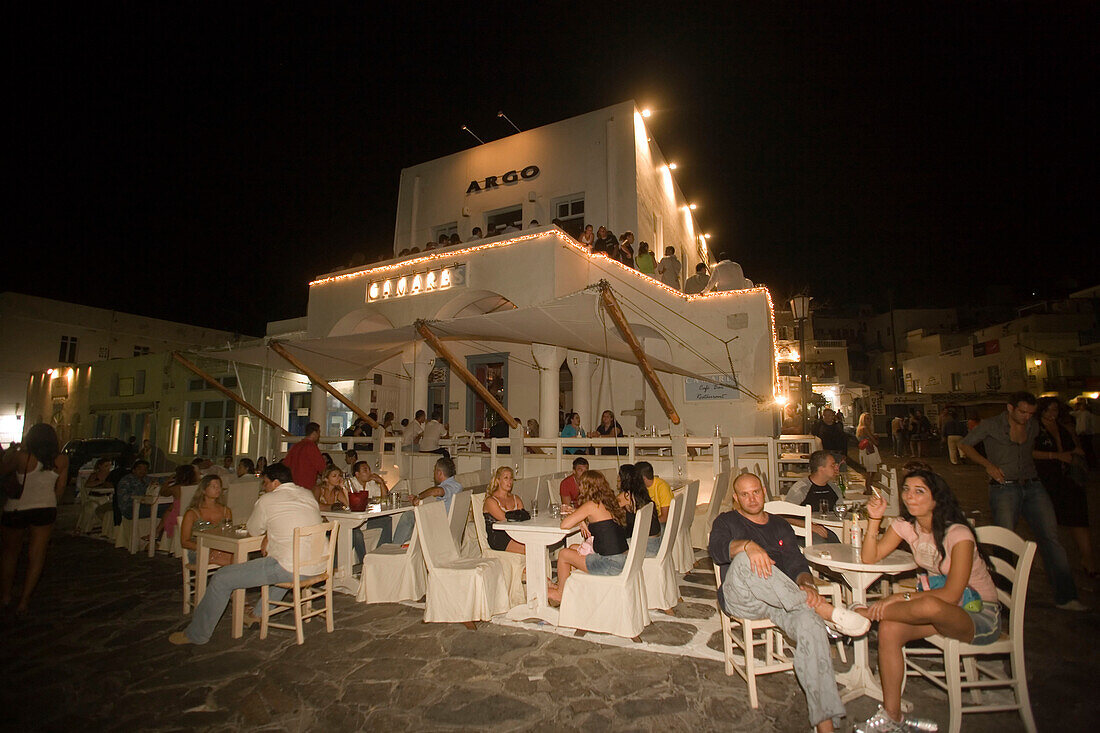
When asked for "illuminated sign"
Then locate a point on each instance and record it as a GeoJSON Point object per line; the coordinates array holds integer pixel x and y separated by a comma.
{"type": "Point", "coordinates": [428, 281]}
{"type": "Point", "coordinates": [510, 177]}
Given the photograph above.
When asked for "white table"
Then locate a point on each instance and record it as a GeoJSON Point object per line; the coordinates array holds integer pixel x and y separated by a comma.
{"type": "Point", "coordinates": [536, 535]}
{"type": "Point", "coordinates": [238, 545]}
{"type": "Point", "coordinates": [343, 579]}
{"type": "Point", "coordinates": [859, 680]}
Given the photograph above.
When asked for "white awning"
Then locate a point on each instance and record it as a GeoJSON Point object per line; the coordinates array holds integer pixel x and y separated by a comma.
{"type": "Point", "coordinates": [574, 322]}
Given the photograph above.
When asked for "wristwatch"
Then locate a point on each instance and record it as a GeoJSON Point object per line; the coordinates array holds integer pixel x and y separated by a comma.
{"type": "Point", "coordinates": [907, 596]}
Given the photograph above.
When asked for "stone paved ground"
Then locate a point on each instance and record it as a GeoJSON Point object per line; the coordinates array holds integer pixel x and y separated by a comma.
{"type": "Point", "coordinates": [93, 655]}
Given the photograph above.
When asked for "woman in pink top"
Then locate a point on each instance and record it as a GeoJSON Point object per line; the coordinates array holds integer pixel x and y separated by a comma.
{"type": "Point", "coordinates": [943, 543]}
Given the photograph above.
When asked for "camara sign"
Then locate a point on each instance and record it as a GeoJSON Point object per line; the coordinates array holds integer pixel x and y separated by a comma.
{"type": "Point", "coordinates": [429, 281]}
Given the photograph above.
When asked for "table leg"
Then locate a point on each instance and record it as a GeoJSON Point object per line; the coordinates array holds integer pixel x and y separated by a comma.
{"type": "Point", "coordinates": [538, 605]}
{"type": "Point", "coordinates": [238, 597]}
{"type": "Point", "coordinates": [153, 511]}
{"type": "Point", "coordinates": [135, 525]}
{"type": "Point", "coordinates": [343, 579]}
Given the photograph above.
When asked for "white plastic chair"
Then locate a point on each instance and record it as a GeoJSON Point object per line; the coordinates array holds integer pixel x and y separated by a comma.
{"type": "Point", "coordinates": [704, 517]}
{"type": "Point", "coordinates": [661, 589]}
{"type": "Point", "coordinates": [460, 590]}
{"type": "Point", "coordinates": [301, 603]}
{"type": "Point", "coordinates": [611, 604]}
{"type": "Point", "coordinates": [960, 668]}
{"type": "Point", "coordinates": [188, 570]}
{"type": "Point", "coordinates": [827, 588]}
{"type": "Point", "coordinates": [393, 573]}
{"type": "Point", "coordinates": [683, 555]}
{"type": "Point", "coordinates": [751, 634]}
{"type": "Point", "coordinates": [513, 564]}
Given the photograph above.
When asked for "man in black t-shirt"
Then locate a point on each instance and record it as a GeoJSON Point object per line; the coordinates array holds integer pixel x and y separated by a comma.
{"type": "Point", "coordinates": [819, 487]}
{"type": "Point", "coordinates": [831, 432]}
{"type": "Point", "coordinates": [746, 543]}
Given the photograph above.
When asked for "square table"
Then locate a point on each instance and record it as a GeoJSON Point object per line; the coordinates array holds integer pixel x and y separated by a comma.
{"type": "Point", "coordinates": [239, 545]}
{"type": "Point", "coordinates": [845, 559]}
{"type": "Point", "coordinates": [343, 579]}
{"type": "Point", "coordinates": [536, 535]}
{"type": "Point", "coordinates": [152, 502]}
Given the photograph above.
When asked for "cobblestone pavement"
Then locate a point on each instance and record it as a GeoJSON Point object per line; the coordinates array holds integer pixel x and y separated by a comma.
{"type": "Point", "coordinates": [93, 654]}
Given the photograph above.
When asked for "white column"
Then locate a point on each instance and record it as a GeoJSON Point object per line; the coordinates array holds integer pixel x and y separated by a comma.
{"type": "Point", "coordinates": [549, 359]}
{"type": "Point", "coordinates": [418, 360]}
{"type": "Point", "coordinates": [318, 407]}
{"type": "Point", "coordinates": [583, 368]}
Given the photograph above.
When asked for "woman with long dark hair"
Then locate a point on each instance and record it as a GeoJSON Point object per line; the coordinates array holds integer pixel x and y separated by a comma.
{"type": "Point", "coordinates": [633, 495]}
{"type": "Point", "coordinates": [41, 470]}
{"type": "Point", "coordinates": [961, 599]}
{"type": "Point", "coordinates": [603, 521]}
{"type": "Point", "coordinates": [1056, 445]}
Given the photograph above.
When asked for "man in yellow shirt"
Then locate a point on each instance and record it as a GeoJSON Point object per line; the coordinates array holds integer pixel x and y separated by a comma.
{"type": "Point", "coordinates": [658, 489]}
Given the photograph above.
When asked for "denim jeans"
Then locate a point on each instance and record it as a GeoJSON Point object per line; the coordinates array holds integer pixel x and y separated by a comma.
{"type": "Point", "coordinates": [747, 595]}
{"type": "Point", "coordinates": [1008, 501]}
{"type": "Point", "coordinates": [404, 530]}
{"type": "Point", "coordinates": [261, 571]}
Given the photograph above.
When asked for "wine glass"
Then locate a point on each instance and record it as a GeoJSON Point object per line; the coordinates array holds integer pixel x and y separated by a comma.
{"type": "Point", "coordinates": [841, 510]}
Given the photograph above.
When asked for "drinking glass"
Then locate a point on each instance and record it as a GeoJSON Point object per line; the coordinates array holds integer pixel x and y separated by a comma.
{"type": "Point", "coordinates": [823, 506]}
{"type": "Point", "coordinates": [535, 509]}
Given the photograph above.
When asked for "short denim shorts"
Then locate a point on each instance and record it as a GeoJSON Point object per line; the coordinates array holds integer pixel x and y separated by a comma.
{"type": "Point", "coordinates": [605, 564]}
{"type": "Point", "coordinates": [987, 623]}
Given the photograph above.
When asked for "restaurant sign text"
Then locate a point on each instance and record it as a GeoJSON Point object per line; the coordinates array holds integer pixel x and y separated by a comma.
{"type": "Point", "coordinates": [428, 281]}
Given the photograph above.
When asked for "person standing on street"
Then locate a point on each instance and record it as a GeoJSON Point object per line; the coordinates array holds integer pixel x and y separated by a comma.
{"type": "Point", "coordinates": [1015, 488]}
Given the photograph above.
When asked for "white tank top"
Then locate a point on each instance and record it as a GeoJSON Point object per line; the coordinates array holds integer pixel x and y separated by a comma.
{"type": "Point", "coordinates": [38, 490]}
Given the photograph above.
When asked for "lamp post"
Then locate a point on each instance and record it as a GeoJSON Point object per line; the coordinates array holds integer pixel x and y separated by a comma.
{"type": "Point", "coordinates": [800, 307]}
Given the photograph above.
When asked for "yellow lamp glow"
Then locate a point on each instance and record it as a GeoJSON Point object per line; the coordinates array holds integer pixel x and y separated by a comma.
{"type": "Point", "coordinates": [646, 112]}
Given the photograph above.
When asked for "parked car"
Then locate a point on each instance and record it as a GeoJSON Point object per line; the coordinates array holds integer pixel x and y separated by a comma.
{"type": "Point", "coordinates": [84, 450]}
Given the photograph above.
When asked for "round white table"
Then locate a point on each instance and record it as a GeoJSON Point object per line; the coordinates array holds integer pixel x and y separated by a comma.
{"type": "Point", "coordinates": [537, 535]}
{"type": "Point", "coordinates": [859, 680]}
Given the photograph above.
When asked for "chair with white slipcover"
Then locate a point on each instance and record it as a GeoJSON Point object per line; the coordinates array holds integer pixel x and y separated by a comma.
{"type": "Point", "coordinates": [513, 563]}
{"type": "Point", "coordinates": [683, 555]}
{"type": "Point", "coordinates": [393, 573]}
{"type": "Point", "coordinates": [661, 587]}
{"type": "Point", "coordinates": [705, 516]}
{"type": "Point", "coordinates": [460, 590]}
{"type": "Point", "coordinates": [611, 604]}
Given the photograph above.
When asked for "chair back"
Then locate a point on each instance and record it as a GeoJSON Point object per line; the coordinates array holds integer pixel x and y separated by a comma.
{"type": "Point", "coordinates": [672, 527]}
{"type": "Point", "coordinates": [691, 496]}
{"type": "Point", "coordinates": [636, 554]}
{"type": "Point", "coordinates": [458, 514]}
{"type": "Point", "coordinates": [553, 483]}
{"type": "Point", "coordinates": [241, 497]}
{"type": "Point", "coordinates": [1016, 575]}
{"type": "Point", "coordinates": [477, 508]}
{"type": "Point", "coordinates": [311, 546]}
{"type": "Point", "coordinates": [717, 496]}
{"type": "Point", "coordinates": [435, 537]}
{"type": "Point", "coordinates": [798, 511]}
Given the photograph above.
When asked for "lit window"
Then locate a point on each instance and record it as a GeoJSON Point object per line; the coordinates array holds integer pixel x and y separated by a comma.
{"type": "Point", "coordinates": [174, 436]}
{"type": "Point", "coordinates": [67, 353]}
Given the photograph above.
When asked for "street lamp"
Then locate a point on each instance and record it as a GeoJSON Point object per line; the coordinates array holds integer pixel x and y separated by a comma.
{"type": "Point", "coordinates": [800, 307]}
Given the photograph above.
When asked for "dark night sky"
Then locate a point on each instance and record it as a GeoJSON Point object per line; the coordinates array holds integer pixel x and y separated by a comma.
{"type": "Point", "coordinates": [202, 163]}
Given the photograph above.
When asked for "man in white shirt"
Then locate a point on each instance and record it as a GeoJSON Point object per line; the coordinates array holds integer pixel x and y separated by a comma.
{"type": "Point", "coordinates": [1085, 424]}
{"type": "Point", "coordinates": [283, 507]}
{"type": "Point", "coordinates": [411, 436]}
{"type": "Point", "coordinates": [433, 430]}
{"type": "Point", "coordinates": [727, 275]}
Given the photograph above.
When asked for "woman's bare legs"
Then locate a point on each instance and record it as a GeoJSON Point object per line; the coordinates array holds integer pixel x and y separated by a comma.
{"type": "Point", "coordinates": [12, 542]}
{"type": "Point", "coordinates": [40, 540]}
{"type": "Point", "coordinates": [568, 559]}
{"type": "Point", "coordinates": [515, 547]}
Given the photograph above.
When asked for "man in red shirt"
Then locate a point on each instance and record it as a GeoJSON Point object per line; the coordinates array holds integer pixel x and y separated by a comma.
{"type": "Point", "coordinates": [571, 484]}
{"type": "Point", "coordinates": [304, 458]}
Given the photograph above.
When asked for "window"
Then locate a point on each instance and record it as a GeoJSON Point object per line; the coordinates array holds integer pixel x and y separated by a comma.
{"type": "Point", "coordinates": [377, 378]}
{"type": "Point", "coordinates": [229, 382]}
{"type": "Point", "coordinates": [67, 353]}
{"type": "Point", "coordinates": [956, 381]}
{"type": "Point", "coordinates": [993, 377]}
{"type": "Point", "coordinates": [1054, 368]}
{"type": "Point", "coordinates": [126, 387]}
{"type": "Point", "coordinates": [445, 230]}
{"type": "Point", "coordinates": [141, 350]}
{"type": "Point", "coordinates": [104, 352]}
{"type": "Point", "coordinates": [102, 426]}
{"type": "Point", "coordinates": [195, 385]}
{"type": "Point", "coordinates": [501, 218]}
{"type": "Point", "coordinates": [139, 381]}
{"type": "Point", "coordinates": [244, 431]}
{"type": "Point", "coordinates": [174, 436]}
{"type": "Point", "coordinates": [569, 211]}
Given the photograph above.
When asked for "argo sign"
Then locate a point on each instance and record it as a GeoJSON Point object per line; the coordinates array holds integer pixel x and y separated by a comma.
{"type": "Point", "coordinates": [508, 178]}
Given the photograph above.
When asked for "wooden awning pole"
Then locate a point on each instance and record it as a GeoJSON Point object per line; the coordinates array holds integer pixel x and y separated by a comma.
{"type": "Point", "coordinates": [612, 307]}
{"type": "Point", "coordinates": [462, 371]}
{"type": "Point", "coordinates": [317, 380]}
{"type": "Point", "coordinates": [218, 386]}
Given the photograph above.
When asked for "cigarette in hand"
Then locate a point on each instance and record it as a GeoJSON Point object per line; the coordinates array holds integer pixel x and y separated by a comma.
{"type": "Point", "coordinates": [874, 490]}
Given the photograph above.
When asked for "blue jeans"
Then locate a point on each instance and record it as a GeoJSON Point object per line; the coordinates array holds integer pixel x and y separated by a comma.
{"type": "Point", "coordinates": [404, 530]}
{"type": "Point", "coordinates": [1008, 501]}
{"type": "Point", "coordinates": [747, 595]}
{"type": "Point", "coordinates": [261, 571]}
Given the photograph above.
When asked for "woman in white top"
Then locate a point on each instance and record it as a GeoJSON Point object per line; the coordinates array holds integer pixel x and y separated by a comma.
{"type": "Point", "coordinates": [42, 471]}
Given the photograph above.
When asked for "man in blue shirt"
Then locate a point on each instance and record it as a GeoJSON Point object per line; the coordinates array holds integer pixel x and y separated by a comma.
{"type": "Point", "coordinates": [135, 484]}
{"type": "Point", "coordinates": [749, 545]}
{"type": "Point", "coordinates": [446, 487]}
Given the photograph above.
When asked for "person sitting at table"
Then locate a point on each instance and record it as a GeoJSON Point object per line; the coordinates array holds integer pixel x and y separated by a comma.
{"type": "Point", "coordinates": [609, 427]}
{"type": "Point", "coordinates": [245, 467]}
{"type": "Point", "coordinates": [658, 489]}
{"type": "Point", "coordinates": [446, 487]}
{"type": "Point", "coordinates": [748, 544]}
{"type": "Point", "coordinates": [207, 505]}
{"type": "Point", "coordinates": [573, 429]}
{"type": "Point", "coordinates": [282, 507]}
{"type": "Point", "coordinates": [603, 523]}
{"type": "Point", "coordinates": [351, 456]}
{"type": "Point", "coordinates": [330, 490]}
{"type": "Point", "coordinates": [633, 496]}
{"type": "Point", "coordinates": [135, 484]}
{"type": "Point", "coordinates": [99, 483]}
{"type": "Point", "coordinates": [363, 479]}
{"type": "Point", "coordinates": [185, 475]}
{"type": "Point", "coordinates": [943, 544]}
{"type": "Point", "coordinates": [501, 505]}
{"type": "Point", "coordinates": [569, 488]}
{"type": "Point", "coordinates": [821, 486]}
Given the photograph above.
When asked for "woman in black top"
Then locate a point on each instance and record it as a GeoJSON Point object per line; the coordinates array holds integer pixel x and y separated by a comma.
{"type": "Point", "coordinates": [609, 427]}
{"type": "Point", "coordinates": [501, 505]}
{"type": "Point", "coordinates": [1054, 451]}
{"type": "Point", "coordinates": [633, 495]}
{"type": "Point", "coordinates": [604, 522]}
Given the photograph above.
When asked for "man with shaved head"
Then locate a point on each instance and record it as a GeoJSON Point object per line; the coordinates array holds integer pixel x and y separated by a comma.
{"type": "Point", "coordinates": [749, 545]}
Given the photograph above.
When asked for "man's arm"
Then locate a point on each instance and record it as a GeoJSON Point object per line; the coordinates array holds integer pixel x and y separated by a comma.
{"type": "Point", "coordinates": [426, 493]}
{"type": "Point", "coordinates": [726, 544]}
{"type": "Point", "coordinates": [967, 446]}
